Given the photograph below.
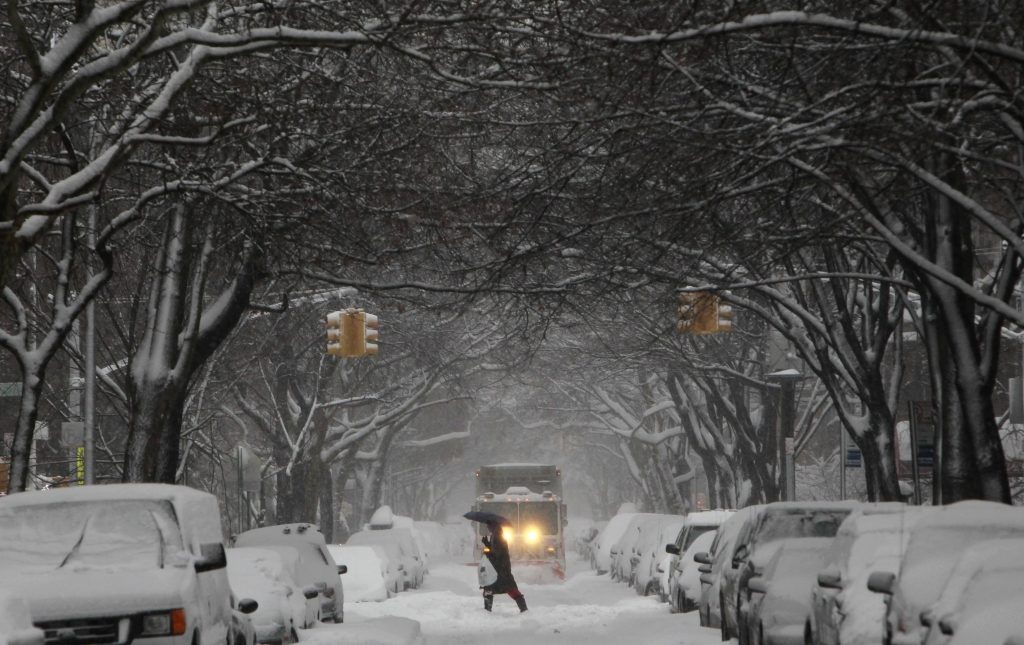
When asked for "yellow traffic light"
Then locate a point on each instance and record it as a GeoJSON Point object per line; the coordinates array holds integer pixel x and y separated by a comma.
{"type": "Point", "coordinates": [697, 312]}
{"type": "Point", "coordinates": [352, 333]}
{"type": "Point", "coordinates": [725, 316]}
{"type": "Point", "coordinates": [371, 325]}
{"type": "Point", "coordinates": [335, 333]}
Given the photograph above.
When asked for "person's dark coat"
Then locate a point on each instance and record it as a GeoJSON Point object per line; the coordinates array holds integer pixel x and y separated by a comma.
{"type": "Point", "coordinates": [497, 553]}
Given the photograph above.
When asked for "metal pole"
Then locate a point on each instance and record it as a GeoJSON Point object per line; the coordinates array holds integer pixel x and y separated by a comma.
{"type": "Point", "coordinates": [787, 380]}
{"type": "Point", "coordinates": [842, 462]}
{"type": "Point", "coordinates": [914, 468]}
{"type": "Point", "coordinates": [89, 417]}
{"type": "Point", "coordinates": [74, 403]}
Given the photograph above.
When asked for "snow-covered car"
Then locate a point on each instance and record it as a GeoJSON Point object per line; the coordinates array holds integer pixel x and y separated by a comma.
{"type": "Point", "coordinates": [780, 596]}
{"type": "Point", "coordinates": [936, 543]}
{"type": "Point", "coordinates": [268, 576]}
{"type": "Point", "coordinates": [242, 631]}
{"type": "Point", "coordinates": [775, 523]}
{"type": "Point", "coordinates": [315, 566]}
{"type": "Point", "coordinates": [697, 524]}
{"type": "Point", "coordinates": [1001, 624]}
{"type": "Point", "coordinates": [843, 610]}
{"type": "Point", "coordinates": [16, 626]}
{"type": "Point", "coordinates": [986, 574]}
{"type": "Point", "coordinates": [119, 562]}
{"type": "Point", "coordinates": [624, 554]}
{"type": "Point", "coordinates": [400, 547]}
{"type": "Point", "coordinates": [684, 581]}
{"type": "Point", "coordinates": [650, 550]}
{"type": "Point", "coordinates": [369, 576]}
{"type": "Point", "coordinates": [719, 558]}
{"type": "Point", "coordinates": [384, 519]}
{"type": "Point", "coordinates": [434, 539]}
{"type": "Point", "coordinates": [664, 579]}
{"type": "Point", "coordinates": [601, 559]}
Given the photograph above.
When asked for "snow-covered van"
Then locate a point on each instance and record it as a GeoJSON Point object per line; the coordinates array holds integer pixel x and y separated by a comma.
{"type": "Point", "coordinates": [118, 564]}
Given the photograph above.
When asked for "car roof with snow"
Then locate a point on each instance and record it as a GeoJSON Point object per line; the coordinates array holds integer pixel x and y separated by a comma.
{"type": "Point", "coordinates": [709, 518]}
{"type": "Point", "coordinates": [283, 534]}
{"type": "Point", "coordinates": [105, 493]}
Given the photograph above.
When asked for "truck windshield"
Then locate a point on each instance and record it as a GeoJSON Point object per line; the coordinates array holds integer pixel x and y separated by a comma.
{"type": "Point", "coordinates": [540, 515]}
{"type": "Point", "coordinates": [110, 535]}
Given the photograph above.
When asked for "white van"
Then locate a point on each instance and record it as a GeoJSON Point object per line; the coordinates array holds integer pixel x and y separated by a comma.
{"type": "Point", "coordinates": [118, 564]}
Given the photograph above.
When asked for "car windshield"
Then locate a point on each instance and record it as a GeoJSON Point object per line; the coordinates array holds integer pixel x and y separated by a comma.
{"type": "Point", "coordinates": [789, 524]}
{"type": "Point", "coordinates": [989, 587]}
{"type": "Point", "coordinates": [931, 556]}
{"type": "Point", "coordinates": [110, 535]}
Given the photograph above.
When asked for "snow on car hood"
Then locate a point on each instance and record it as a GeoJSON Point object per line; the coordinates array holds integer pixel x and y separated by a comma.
{"type": "Point", "coordinates": [70, 594]}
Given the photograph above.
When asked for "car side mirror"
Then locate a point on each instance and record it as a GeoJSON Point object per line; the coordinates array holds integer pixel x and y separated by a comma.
{"type": "Point", "coordinates": [247, 605]}
{"type": "Point", "coordinates": [310, 592]}
{"type": "Point", "coordinates": [702, 557]}
{"type": "Point", "coordinates": [342, 569]}
{"type": "Point", "coordinates": [881, 582]}
{"type": "Point", "coordinates": [213, 557]}
{"type": "Point", "coordinates": [830, 579]}
{"type": "Point", "coordinates": [947, 625]}
{"type": "Point", "coordinates": [757, 584]}
{"type": "Point", "coordinates": [671, 548]}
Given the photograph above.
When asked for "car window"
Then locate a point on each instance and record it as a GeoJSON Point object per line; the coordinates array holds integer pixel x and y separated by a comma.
{"type": "Point", "coordinates": [694, 533]}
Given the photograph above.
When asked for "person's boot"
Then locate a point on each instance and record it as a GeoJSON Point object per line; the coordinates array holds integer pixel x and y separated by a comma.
{"type": "Point", "coordinates": [488, 601]}
{"type": "Point", "coordinates": [521, 601]}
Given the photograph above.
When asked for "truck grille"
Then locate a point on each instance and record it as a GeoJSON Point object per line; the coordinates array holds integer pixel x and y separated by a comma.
{"type": "Point", "coordinates": [85, 631]}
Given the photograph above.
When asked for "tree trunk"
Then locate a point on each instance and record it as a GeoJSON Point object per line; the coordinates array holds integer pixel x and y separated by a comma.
{"type": "Point", "coordinates": [24, 432]}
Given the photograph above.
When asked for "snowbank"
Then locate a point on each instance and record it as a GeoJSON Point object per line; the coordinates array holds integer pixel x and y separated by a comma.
{"type": "Point", "coordinates": [375, 631]}
{"type": "Point", "coordinates": [15, 622]}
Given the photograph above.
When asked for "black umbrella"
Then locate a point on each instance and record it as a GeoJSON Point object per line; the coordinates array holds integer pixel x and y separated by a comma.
{"type": "Point", "coordinates": [486, 518]}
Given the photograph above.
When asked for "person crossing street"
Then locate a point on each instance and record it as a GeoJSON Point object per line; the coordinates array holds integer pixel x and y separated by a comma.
{"type": "Point", "coordinates": [496, 551]}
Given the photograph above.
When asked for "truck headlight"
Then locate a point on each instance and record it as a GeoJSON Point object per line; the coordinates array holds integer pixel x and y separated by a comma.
{"type": "Point", "coordinates": [164, 623]}
{"type": "Point", "coordinates": [532, 535]}
{"type": "Point", "coordinates": [508, 533]}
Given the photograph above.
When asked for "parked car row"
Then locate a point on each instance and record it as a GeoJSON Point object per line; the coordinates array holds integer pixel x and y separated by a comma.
{"type": "Point", "coordinates": [860, 574]}
{"type": "Point", "coordinates": [651, 552]}
{"type": "Point", "coordinates": [830, 573]}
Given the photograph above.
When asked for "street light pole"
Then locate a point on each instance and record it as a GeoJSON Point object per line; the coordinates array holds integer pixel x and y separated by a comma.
{"type": "Point", "coordinates": [786, 428]}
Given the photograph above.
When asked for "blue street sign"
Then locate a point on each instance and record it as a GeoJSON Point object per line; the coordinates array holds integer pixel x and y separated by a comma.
{"type": "Point", "coordinates": [853, 457]}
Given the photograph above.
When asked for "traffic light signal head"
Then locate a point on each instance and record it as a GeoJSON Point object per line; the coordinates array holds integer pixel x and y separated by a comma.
{"type": "Point", "coordinates": [335, 333]}
{"type": "Point", "coordinates": [370, 333]}
{"type": "Point", "coordinates": [352, 333]}
{"type": "Point", "coordinates": [725, 316]}
{"type": "Point", "coordinates": [697, 312]}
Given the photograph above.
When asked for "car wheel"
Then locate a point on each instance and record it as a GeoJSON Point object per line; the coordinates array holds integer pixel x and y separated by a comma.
{"type": "Point", "coordinates": [760, 635]}
{"type": "Point", "coordinates": [808, 637]}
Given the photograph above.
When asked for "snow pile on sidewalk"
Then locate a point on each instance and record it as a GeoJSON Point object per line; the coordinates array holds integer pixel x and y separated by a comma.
{"type": "Point", "coordinates": [376, 631]}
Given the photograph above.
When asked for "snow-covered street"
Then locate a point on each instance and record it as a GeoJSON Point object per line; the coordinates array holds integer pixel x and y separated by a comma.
{"type": "Point", "coordinates": [586, 608]}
